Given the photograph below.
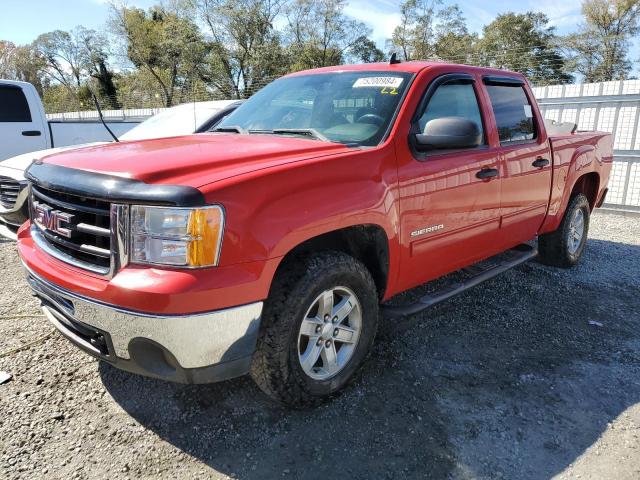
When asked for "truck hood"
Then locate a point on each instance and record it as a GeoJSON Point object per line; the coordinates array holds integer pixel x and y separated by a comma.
{"type": "Point", "coordinates": [193, 160]}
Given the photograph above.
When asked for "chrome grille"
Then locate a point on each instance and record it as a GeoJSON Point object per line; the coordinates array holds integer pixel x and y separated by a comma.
{"type": "Point", "coordinates": [9, 190]}
{"type": "Point", "coordinates": [74, 229]}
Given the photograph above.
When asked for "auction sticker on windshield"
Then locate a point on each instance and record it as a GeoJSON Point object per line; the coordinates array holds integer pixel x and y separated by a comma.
{"type": "Point", "coordinates": [378, 82]}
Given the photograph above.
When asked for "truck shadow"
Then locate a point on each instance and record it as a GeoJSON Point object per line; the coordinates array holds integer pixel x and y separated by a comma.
{"type": "Point", "coordinates": [516, 378]}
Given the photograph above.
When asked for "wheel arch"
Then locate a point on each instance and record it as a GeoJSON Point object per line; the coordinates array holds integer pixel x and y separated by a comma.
{"type": "Point", "coordinates": [582, 175]}
{"type": "Point", "coordinates": [589, 185]}
{"type": "Point", "coordinates": [367, 243]}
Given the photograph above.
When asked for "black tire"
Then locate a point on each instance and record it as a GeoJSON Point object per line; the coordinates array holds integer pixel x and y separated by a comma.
{"type": "Point", "coordinates": [275, 366]}
{"type": "Point", "coordinates": [553, 248]}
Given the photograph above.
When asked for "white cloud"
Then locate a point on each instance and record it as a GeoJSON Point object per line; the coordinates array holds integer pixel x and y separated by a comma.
{"type": "Point", "coordinates": [565, 15]}
{"type": "Point", "coordinates": [382, 17]}
{"type": "Point", "coordinates": [477, 17]}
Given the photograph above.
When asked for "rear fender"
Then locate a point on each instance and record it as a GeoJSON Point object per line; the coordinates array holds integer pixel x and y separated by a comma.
{"type": "Point", "coordinates": [566, 177]}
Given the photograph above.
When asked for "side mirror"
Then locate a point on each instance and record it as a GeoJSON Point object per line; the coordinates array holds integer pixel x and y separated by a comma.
{"type": "Point", "coordinates": [449, 133]}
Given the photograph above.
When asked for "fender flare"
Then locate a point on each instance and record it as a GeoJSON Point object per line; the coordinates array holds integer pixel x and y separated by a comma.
{"type": "Point", "coordinates": [583, 162]}
{"type": "Point", "coordinates": [391, 241]}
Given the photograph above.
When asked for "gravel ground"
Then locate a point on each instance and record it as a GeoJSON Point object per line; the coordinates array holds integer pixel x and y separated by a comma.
{"type": "Point", "coordinates": [510, 380]}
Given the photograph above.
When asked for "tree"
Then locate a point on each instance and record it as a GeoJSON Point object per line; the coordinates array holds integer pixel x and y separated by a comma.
{"type": "Point", "coordinates": [139, 89]}
{"type": "Point", "coordinates": [95, 54]}
{"type": "Point", "coordinates": [23, 63]}
{"type": "Point", "coordinates": [63, 57]}
{"type": "Point", "coordinates": [414, 35]}
{"type": "Point", "coordinates": [524, 43]}
{"type": "Point", "coordinates": [429, 30]}
{"type": "Point", "coordinates": [453, 42]}
{"type": "Point", "coordinates": [320, 34]}
{"type": "Point", "coordinates": [365, 50]}
{"type": "Point", "coordinates": [7, 65]}
{"type": "Point", "coordinates": [244, 49]}
{"type": "Point", "coordinates": [599, 50]}
{"type": "Point", "coordinates": [168, 46]}
{"type": "Point", "coordinates": [72, 58]}
{"type": "Point", "coordinates": [30, 67]}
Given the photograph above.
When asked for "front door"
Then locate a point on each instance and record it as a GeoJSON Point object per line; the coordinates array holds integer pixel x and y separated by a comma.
{"type": "Point", "coordinates": [450, 200]}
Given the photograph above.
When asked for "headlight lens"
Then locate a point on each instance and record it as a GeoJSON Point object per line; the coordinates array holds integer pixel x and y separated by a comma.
{"type": "Point", "coordinates": [186, 237]}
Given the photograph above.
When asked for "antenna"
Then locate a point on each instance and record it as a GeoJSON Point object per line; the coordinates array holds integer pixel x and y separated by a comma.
{"type": "Point", "coordinates": [394, 59]}
{"type": "Point", "coordinates": [95, 100]}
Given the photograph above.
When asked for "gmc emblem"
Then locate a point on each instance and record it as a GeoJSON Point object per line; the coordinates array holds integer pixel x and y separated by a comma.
{"type": "Point", "coordinates": [49, 219]}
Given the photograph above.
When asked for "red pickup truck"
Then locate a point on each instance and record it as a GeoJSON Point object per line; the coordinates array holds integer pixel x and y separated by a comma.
{"type": "Point", "coordinates": [273, 245]}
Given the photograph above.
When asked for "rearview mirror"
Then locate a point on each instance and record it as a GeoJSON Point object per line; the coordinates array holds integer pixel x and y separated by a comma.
{"type": "Point", "coordinates": [449, 133]}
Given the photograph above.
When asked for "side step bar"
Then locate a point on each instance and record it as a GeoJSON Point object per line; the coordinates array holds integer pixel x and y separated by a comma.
{"type": "Point", "coordinates": [512, 258]}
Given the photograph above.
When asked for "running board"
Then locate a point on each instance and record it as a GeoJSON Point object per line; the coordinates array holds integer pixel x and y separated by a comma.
{"type": "Point", "coordinates": [479, 273]}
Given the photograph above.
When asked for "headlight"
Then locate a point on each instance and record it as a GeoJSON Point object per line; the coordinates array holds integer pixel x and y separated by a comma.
{"type": "Point", "coordinates": [186, 237]}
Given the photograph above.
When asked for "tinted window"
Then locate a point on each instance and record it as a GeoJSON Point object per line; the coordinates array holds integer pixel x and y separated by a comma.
{"type": "Point", "coordinates": [454, 99]}
{"type": "Point", "coordinates": [513, 113]}
{"type": "Point", "coordinates": [13, 105]}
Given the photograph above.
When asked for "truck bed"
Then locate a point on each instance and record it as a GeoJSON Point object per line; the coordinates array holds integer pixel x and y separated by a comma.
{"type": "Point", "coordinates": [575, 154]}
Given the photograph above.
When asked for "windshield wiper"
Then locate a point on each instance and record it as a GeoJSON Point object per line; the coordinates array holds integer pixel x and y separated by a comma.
{"type": "Point", "coordinates": [307, 132]}
{"type": "Point", "coordinates": [230, 129]}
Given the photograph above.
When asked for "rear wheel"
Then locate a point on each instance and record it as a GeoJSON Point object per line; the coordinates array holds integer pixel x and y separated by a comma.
{"type": "Point", "coordinates": [564, 247]}
{"type": "Point", "coordinates": [317, 328]}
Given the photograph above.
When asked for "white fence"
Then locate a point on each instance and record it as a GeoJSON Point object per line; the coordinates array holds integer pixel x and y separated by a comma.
{"type": "Point", "coordinates": [610, 107]}
{"type": "Point", "coordinates": [130, 114]}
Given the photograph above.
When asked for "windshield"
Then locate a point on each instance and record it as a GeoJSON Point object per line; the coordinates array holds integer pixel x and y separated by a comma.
{"type": "Point", "coordinates": [346, 107]}
{"type": "Point", "coordinates": [181, 120]}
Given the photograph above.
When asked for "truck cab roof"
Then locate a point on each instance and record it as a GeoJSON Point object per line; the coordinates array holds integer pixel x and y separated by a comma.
{"type": "Point", "coordinates": [413, 66]}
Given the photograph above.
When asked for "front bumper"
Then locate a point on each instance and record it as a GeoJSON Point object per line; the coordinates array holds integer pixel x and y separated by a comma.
{"type": "Point", "coordinates": [196, 348]}
{"type": "Point", "coordinates": [155, 291]}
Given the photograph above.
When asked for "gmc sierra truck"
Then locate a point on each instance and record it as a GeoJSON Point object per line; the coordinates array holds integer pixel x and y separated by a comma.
{"type": "Point", "coordinates": [273, 245]}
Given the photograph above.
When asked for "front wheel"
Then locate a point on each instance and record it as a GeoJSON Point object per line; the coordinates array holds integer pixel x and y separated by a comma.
{"type": "Point", "coordinates": [564, 247]}
{"type": "Point", "coordinates": [317, 328]}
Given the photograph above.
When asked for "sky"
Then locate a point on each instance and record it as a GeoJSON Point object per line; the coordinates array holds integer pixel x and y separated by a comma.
{"type": "Point", "coordinates": [383, 15]}
{"type": "Point", "coordinates": [21, 21]}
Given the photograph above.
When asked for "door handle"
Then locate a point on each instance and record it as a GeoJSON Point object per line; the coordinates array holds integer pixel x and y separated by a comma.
{"type": "Point", "coordinates": [487, 173]}
{"type": "Point", "coordinates": [540, 163]}
{"type": "Point", "coordinates": [32, 133]}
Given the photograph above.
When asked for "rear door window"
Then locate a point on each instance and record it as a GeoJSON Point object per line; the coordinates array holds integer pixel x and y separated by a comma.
{"type": "Point", "coordinates": [13, 105]}
{"type": "Point", "coordinates": [513, 113]}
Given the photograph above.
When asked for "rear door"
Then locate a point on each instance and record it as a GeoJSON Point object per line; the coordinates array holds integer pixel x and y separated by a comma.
{"type": "Point", "coordinates": [525, 153]}
{"type": "Point", "coordinates": [19, 131]}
